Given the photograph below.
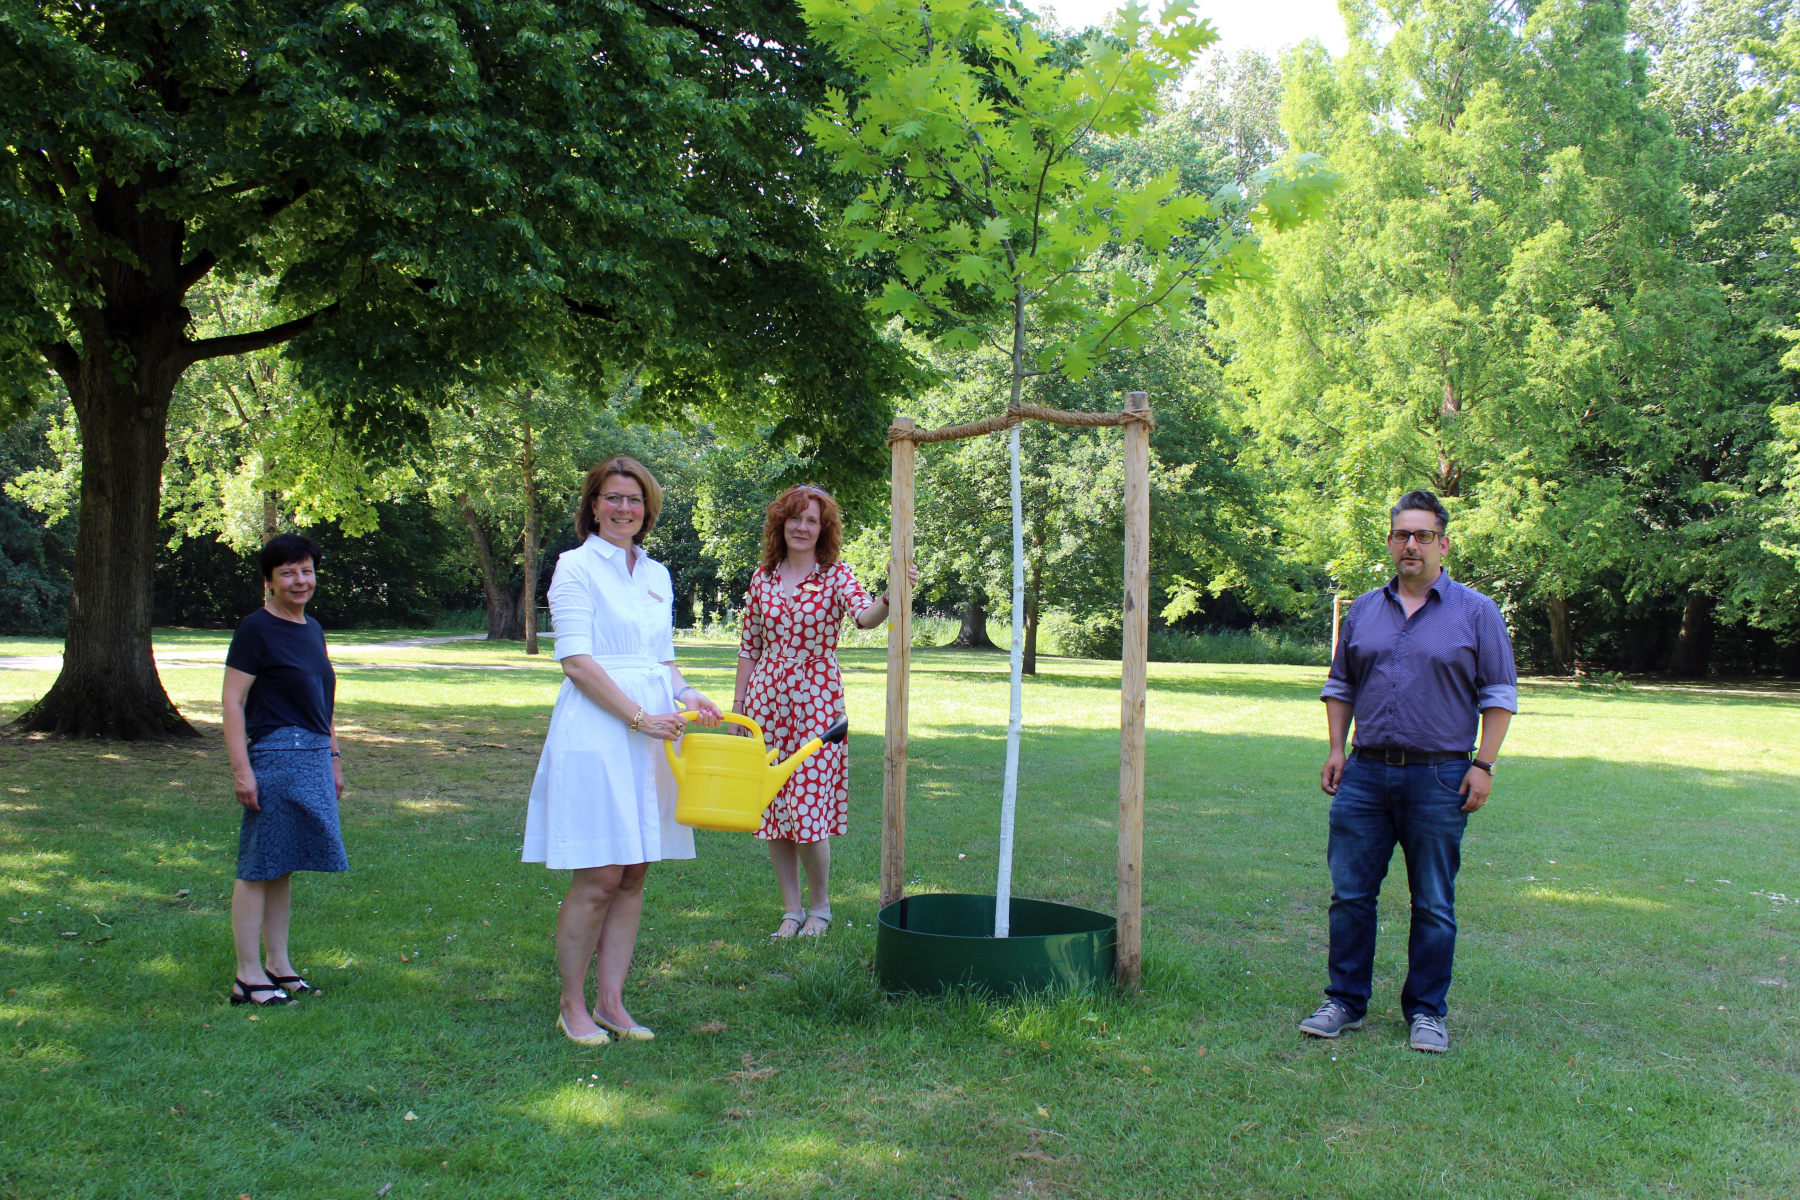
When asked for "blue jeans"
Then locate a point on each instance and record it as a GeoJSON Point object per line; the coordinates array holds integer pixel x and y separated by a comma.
{"type": "Point", "coordinates": [1419, 809]}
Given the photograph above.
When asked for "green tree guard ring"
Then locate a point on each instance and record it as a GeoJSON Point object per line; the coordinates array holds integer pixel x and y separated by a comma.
{"type": "Point", "coordinates": [941, 942]}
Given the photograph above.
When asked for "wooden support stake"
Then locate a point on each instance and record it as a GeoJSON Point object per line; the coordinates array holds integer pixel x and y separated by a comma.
{"type": "Point", "coordinates": [1133, 684]}
{"type": "Point", "coordinates": [899, 663]}
{"type": "Point", "coordinates": [1337, 621]}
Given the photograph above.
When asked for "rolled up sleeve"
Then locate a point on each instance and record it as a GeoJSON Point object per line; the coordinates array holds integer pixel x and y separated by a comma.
{"type": "Point", "coordinates": [1496, 675]}
{"type": "Point", "coordinates": [852, 595]}
{"type": "Point", "coordinates": [1338, 684]}
{"type": "Point", "coordinates": [571, 609]}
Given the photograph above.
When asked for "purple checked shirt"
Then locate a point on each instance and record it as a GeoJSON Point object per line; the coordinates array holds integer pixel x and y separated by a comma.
{"type": "Point", "coordinates": [1421, 683]}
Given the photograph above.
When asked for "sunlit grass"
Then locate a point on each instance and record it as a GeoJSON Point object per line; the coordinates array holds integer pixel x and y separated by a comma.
{"type": "Point", "coordinates": [1624, 1014]}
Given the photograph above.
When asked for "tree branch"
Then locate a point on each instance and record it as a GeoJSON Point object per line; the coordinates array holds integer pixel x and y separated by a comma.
{"type": "Point", "coordinates": [194, 270]}
{"type": "Point", "coordinates": [276, 205]}
{"type": "Point", "coordinates": [684, 21]}
{"type": "Point", "coordinates": [62, 356]}
{"type": "Point", "coordinates": [262, 339]}
{"type": "Point", "coordinates": [583, 309]}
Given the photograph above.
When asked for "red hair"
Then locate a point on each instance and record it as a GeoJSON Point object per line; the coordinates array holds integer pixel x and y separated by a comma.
{"type": "Point", "coordinates": [791, 504]}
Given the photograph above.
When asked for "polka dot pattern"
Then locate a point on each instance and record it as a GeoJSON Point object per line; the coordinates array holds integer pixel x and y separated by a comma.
{"type": "Point", "coordinates": [796, 691]}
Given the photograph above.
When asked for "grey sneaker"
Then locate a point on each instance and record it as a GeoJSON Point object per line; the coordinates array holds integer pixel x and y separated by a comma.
{"type": "Point", "coordinates": [1331, 1019]}
{"type": "Point", "coordinates": [1428, 1033]}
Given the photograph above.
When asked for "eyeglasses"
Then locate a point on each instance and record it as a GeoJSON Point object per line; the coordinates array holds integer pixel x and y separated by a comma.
{"type": "Point", "coordinates": [621, 500]}
{"type": "Point", "coordinates": [1399, 537]}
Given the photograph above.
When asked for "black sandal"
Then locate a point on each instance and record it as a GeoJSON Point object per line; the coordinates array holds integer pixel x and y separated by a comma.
{"type": "Point", "coordinates": [295, 986]}
{"type": "Point", "coordinates": [249, 994]}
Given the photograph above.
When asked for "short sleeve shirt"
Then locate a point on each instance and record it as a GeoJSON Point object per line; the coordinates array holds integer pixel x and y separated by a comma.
{"type": "Point", "coordinates": [295, 684]}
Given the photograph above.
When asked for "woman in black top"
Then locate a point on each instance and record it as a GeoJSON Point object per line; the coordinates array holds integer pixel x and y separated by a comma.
{"type": "Point", "coordinates": [279, 689]}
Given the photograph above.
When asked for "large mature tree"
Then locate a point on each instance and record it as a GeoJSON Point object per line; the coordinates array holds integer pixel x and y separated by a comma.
{"type": "Point", "coordinates": [1718, 492]}
{"type": "Point", "coordinates": [433, 187]}
{"type": "Point", "coordinates": [1494, 310]}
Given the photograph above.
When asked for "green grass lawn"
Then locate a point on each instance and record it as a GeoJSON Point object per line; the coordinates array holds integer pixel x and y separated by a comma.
{"type": "Point", "coordinates": [1624, 1015]}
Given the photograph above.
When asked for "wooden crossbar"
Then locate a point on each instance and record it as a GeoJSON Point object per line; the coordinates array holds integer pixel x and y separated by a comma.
{"type": "Point", "coordinates": [899, 432]}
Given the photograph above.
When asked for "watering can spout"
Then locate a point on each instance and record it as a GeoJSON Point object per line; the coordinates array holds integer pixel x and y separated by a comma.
{"type": "Point", "coordinates": [780, 773]}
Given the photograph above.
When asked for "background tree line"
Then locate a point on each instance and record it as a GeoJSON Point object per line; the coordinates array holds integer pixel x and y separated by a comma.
{"type": "Point", "coordinates": [1558, 286]}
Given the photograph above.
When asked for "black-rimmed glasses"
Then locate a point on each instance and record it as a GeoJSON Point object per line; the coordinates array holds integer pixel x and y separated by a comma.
{"type": "Point", "coordinates": [1399, 537]}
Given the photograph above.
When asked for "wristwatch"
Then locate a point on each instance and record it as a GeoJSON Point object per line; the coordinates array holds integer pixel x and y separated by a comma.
{"type": "Point", "coordinates": [1488, 767]}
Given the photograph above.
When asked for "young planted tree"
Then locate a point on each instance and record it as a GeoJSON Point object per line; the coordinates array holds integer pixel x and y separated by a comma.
{"type": "Point", "coordinates": [967, 135]}
{"type": "Point", "coordinates": [429, 185]}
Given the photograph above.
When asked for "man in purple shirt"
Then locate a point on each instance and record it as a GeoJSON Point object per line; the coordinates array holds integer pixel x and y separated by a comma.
{"type": "Point", "coordinates": [1416, 662]}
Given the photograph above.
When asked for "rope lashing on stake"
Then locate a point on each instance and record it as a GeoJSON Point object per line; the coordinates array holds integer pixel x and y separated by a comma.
{"type": "Point", "coordinates": [1015, 416]}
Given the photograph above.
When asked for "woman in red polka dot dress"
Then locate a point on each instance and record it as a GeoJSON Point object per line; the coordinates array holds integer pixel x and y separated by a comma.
{"type": "Point", "coordinates": [788, 682]}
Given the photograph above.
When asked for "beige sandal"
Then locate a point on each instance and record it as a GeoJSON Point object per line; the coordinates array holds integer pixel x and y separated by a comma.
{"type": "Point", "coordinates": [813, 914]}
{"type": "Point", "coordinates": [798, 918]}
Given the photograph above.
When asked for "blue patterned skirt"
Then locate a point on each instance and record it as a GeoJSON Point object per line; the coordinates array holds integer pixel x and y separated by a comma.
{"type": "Point", "coordinates": [297, 829]}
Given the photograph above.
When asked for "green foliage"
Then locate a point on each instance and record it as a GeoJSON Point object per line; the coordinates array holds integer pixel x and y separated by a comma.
{"type": "Point", "coordinates": [1208, 536]}
{"type": "Point", "coordinates": [1495, 309]}
{"type": "Point", "coordinates": [49, 458]}
{"type": "Point", "coordinates": [410, 571]}
{"type": "Point", "coordinates": [251, 453]}
{"type": "Point", "coordinates": [1720, 490]}
{"type": "Point", "coordinates": [967, 134]}
{"type": "Point", "coordinates": [35, 553]}
{"type": "Point", "coordinates": [438, 190]}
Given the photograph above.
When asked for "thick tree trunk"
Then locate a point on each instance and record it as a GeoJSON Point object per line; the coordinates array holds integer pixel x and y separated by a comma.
{"type": "Point", "coordinates": [271, 517]}
{"type": "Point", "coordinates": [1031, 618]}
{"type": "Point", "coordinates": [502, 612]}
{"type": "Point", "coordinates": [1693, 648]}
{"type": "Point", "coordinates": [109, 686]}
{"type": "Point", "coordinates": [974, 632]}
{"type": "Point", "coordinates": [1562, 641]}
{"type": "Point", "coordinates": [131, 332]}
{"type": "Point", "coordinates": [528, 593]}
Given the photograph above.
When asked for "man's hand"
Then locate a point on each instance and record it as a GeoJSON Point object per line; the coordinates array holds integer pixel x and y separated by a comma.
{"type": "Point", "coordinates": [1476, 785]}
{"type": "Point", "coordinates": [1332, 773]}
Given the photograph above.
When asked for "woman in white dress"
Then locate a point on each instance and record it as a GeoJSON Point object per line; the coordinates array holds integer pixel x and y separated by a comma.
{"type": "Point", "coordinates": [603, 802]}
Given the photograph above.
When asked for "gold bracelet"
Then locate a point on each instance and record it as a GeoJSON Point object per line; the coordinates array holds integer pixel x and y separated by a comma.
{"type": "Point", "coordinates": [637, 720]}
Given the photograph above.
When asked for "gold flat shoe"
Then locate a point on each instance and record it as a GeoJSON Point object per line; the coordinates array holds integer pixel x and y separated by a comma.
{"type": "Point", "coordinates": [597, 1038]}
{"type": "Point", "coordinates": [633, 1033]}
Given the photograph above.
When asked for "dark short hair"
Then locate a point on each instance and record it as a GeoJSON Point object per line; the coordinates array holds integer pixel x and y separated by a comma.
{"type": "Point", "coordinates": [285, 548]}
{"type": "Point", "coordinates": [1422, 501]}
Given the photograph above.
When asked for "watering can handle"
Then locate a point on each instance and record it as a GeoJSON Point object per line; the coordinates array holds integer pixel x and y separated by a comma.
{"type": "Point", "coordinates": [675, 763]}
{"type": "Point", "coordinates": [732, 719]}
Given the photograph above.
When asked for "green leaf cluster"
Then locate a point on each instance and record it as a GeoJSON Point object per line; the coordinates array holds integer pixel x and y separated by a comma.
{"type": "Point", "coordinates": [967, 133]}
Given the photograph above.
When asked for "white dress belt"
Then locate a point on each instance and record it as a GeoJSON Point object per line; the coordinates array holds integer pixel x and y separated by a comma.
{"type": "Point", "coordinates": [628, 662]}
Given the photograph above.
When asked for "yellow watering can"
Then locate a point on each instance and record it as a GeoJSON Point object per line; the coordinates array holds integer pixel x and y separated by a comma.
{"type": "Point", "coordinates": [726, 782]}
